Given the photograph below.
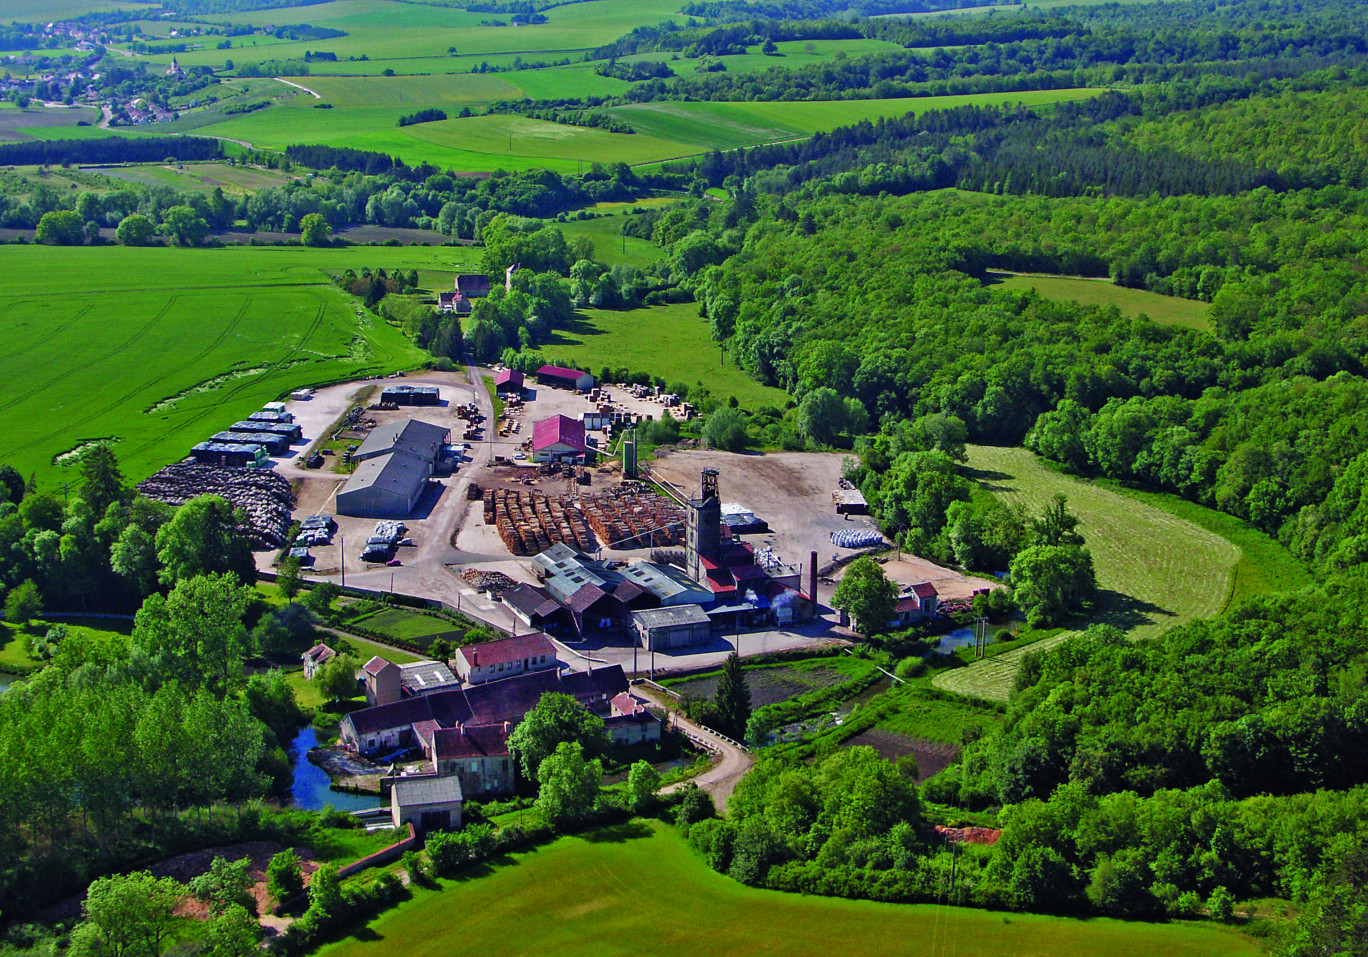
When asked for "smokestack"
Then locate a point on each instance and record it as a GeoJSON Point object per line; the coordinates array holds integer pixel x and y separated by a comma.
{"type": "Point", "coordinates": [812, 580]}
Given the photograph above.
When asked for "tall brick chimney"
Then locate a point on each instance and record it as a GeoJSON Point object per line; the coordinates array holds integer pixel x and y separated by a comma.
{"type": "Point", "coordinates": [812, 580]}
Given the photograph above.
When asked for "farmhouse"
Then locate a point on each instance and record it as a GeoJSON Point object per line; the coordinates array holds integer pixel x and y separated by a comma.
{"type": "Point", "coordinates": [478, 757]}
{"type": "Point", "coordinates": [472, 285]}
{"type": "Point", "coordinates": [509, 382]}
{"type": "Point", "coordinates": [631, 722]}
{"type": "Point", "coordinates": [427, 802]}
{"type": "Point", "coordinates": [562, 378]}
{"type": "Point", "coordinates": [389, 726]}
{"type": "Point", "coordinates": [454, 302]}
{"type": "Point", "coordinates": [492, 660]}
{"type": "Point", "coordinates": [558, 439]}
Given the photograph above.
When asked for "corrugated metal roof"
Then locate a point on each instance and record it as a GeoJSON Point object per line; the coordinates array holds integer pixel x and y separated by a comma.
{"type": "Point", "coordinates": [397, 472]}
{"type": "Point", "coordinates": [409, 792]}
{"type": "Point", "coordinates": [671, 617]}
{"type": "Point", "coordinates": [413, 435]}
{"type": "Point", "coordinates": [558, 430]}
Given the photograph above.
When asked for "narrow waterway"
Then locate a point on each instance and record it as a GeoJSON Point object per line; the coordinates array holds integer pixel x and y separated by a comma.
{"type": "Point", "coordinates": [310, 788]}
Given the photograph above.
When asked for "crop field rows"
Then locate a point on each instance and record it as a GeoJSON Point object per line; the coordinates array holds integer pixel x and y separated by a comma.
{"type": "Point", "coordinates": [1154, 569]}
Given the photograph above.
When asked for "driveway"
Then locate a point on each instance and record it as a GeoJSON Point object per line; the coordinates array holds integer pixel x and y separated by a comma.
{"type": "Point", "coordinates": [720, 780]}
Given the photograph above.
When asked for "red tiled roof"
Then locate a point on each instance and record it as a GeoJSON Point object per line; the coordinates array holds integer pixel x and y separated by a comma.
{"type": "Point", "coordinates": [924, 590]}
{"type": "Point", "coordinates": [509, 377]}
{"type": "Point", "coordinates": [903, 605]}
{"type": "Point", "coordinates": [481, 742]}
{"type": "Point", "coordinates": [559, 372]}
{"type": "Point", "coordinates": [377, 665]}
{"type": "Point", "coordinates": [558, 430]}
{"type": "Point", "coordinates": [508, 649]}
{"type": "Point", "coordinates": [625, 703]}
{"type": "Point", "coordinates": [585, 598]}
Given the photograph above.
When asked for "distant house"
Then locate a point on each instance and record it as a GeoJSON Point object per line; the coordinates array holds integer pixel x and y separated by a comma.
{"type": "Point", "coordinates": [563, 378]}
{"type": "Point", "coordinates": [427, 802]}
{"type": "Point", "coordinates": [921, 605]}
{"type": "Point", "coordinates": [472, 285]}
{"type": "Point", "coordinates": [454, 302]}
{"type": "Point", "coordinates": [315, 658]}
{"type": "Point", "coordinates": [508, 382]}
{"type": "Point", "coordinates": [559, 439]}
{"type": "Point", "coordinates": [504, 658]}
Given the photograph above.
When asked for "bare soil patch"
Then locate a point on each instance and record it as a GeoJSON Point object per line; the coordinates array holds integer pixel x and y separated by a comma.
{"type": "Point", "coordinates": [933, 757]}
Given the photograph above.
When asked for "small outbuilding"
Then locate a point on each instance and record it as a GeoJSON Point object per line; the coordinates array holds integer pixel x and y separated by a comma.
{"type": "Point", "coordinates": [509, 382]}
{"type": "Point", "coordinates": [230, 453]}
{"type": "Point", "coordinates": [679, 626]}
{"type": "Point", "coordinates": [429, 803]}
{"type": "Point", "coordinates": [411, 395]}
{"type": "Point", "coordinates": [384, 682]}
{"type": "Point", "coordinates": [562, 378]}
{"type": "Point", "coordinates": [315, 658]}
{"type": "Point", "coordinates": [559, 439]}
{"type": "Point", "coordinates": [850, 501]}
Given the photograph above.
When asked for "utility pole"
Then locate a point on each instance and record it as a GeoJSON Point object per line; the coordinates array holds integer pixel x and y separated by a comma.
{"type": "Point", "coordinates": [342, 545]}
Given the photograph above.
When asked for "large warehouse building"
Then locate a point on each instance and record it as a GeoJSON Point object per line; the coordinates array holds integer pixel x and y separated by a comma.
{"type": "Point", "coordinates": [562, 378]}
{"type": "Point", "coordinates": [396, 461]}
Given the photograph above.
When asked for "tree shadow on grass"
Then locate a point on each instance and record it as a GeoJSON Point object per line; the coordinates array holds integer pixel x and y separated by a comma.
{"type": "Point", "coordinates": [618, 833]}
{"type": "Point", "coordinates": [989, 479]}
{"type": "Point", "coordinates": [579, 326]}
{"type": "Point", "coordinates": [1126, 611]}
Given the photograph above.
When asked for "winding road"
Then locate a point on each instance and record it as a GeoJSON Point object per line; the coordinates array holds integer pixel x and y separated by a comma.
{"type": "Point", "coordinates": [719, 780]}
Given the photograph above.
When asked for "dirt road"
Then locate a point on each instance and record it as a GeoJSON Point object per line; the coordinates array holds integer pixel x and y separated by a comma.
{"type": "Point", "coordinates": [720, 780]}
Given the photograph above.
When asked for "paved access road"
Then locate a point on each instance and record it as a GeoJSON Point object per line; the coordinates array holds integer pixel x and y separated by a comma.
{"type": "Point", "coordinates": [719, 780]}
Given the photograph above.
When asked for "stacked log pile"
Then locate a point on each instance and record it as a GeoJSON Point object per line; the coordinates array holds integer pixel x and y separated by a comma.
{"type": "Point", "coordinates": [531, 522]}
{"type": "Point", "coordinates": [634, 515]}
{"type": "Point", "coordinates": [263, 494]}
{"type": "Point", "coordinates": [488, 581]}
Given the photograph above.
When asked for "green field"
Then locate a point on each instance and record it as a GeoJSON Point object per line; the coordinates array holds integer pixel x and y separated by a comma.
{"type": "Point", "coordinates": [619, 892]}
{"type": "Point", "coordinates": [1166, 310]}
{"type": "Point", "coordinates": [157, 348]}
{"type": "Point", "coordinates": [406, 625]}
{"type": "Point", "coordinates": [196, 177]}
{"type": "Point", "coordinates": [668, 341]}
{"type": "Point", "coordinates": [34, 121]}
{"type": "Point", "coordinates": [1155, 569]}
{"type": "Point", "coordinates": [610, 246]}
{"type": "Point", "coordinates": [14, 659]}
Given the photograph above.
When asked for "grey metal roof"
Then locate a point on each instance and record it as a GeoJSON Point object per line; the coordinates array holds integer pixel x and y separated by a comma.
{"type": "Point", "coordinates": [424, 676]}
{"type": "Point", "coordinates": [411, 435]}
{"type": "Point", "coordinates": [663, 581]}
{"type": "Point", "coordinates": [408, 792]}
{"type": "Point", "coordinates": [397, 472]}
{"type": "Point", "coordinates": [671, 617]}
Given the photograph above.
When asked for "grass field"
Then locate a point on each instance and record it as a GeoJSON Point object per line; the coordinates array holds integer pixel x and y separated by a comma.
{"type": "Point", "coordinates": [618, 892]}
{"type": "Point", "coordinates": [15, 660]}
{"type": "Point", "coordinates": [714, 125]}
{"type": "Point", "coordinates": [1166, 310]}
{"type": "Point", "coordinates": [774, 683]}
{"type": "Point", "coordinates": [1155, 569]}
{"type": "Point", "coordinates": [669, 341]}
{"type": "Point", "coordinates": [156, 348]}
{"type": "Point", "coordinates": [610, 246]}
{"type": "Point", "coordinates": [196, 177]}
{"type": "Point", "coordinates": [33, 121]}
{"type": "Point", "coordinates": [406, 625]}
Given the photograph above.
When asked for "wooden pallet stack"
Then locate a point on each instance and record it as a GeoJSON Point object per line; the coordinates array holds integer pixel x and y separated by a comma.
{"type": "Point", "coordinates": [530, 522]}
{"type": "Point", "coordinates": [633, 515]}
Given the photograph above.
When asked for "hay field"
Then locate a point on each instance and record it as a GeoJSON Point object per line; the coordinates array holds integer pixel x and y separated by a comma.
{"type": "Point", "coordinates": [158, 348]}
{"type": "Point", "coordinates": [1155, 569]}
{"type": "Point", "coordinates": [667, 341]}
{"type": "Point", "coordinates": [1165, 310]}
{"type": "Point", "coordinates": [618, 891]}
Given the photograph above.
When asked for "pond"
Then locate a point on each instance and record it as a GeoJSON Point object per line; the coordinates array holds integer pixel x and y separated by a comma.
{"type": "Point", "coordinates": [310, 787]}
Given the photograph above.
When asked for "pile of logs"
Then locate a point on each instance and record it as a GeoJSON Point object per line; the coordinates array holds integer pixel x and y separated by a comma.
{"type": "Point", "coordinates": [263, 494]}
{"type": "Point", "coordinates": [488, 581]}
{"type": "Point", "coordinates": [531, 522]}
{"type": "Point", "coordinates": [634, 515]}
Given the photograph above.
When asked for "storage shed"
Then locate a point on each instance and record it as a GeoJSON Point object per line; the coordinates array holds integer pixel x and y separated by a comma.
{"type": "Point", "coordinates": [388, 486]}
{"type": "Point", "coordinates": [225, 453]}
{"type": "Point", "coordinates": [562, 378]}
{"type": "Point", "coordinates": [428, 802]}
{"type": "Point", "coordinates": [411, 394]}
{"type": "Point", "coordinates": [275, 443]}
{"type": "Point", "coordinates": [290, 430]}
{"type": "Point", "coordinates": [509, 382]}
{"type": "Point", "coordinates": [663, 629]}
{"type": "Point", "coordinates": [558, 439]}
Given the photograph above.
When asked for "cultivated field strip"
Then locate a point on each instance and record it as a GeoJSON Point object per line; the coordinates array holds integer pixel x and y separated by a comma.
{"type": "Point", "coordinates": [1155, 570]}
